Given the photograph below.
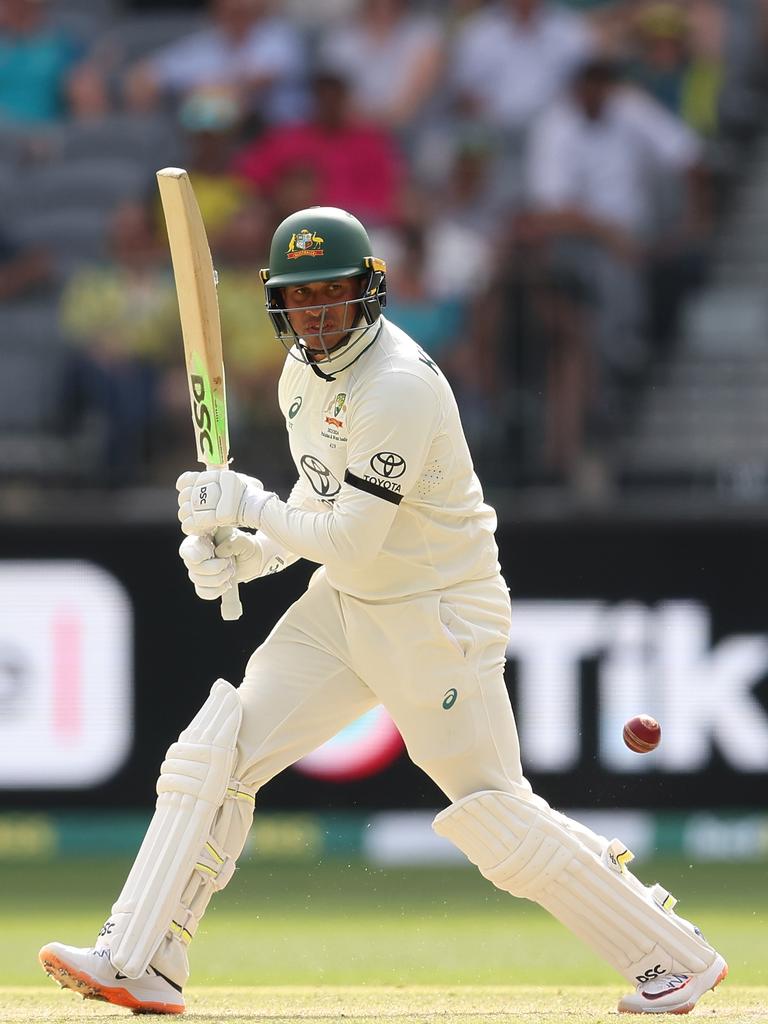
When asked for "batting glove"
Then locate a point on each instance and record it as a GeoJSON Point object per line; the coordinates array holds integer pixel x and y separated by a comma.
{"type": "Point", "coordinates": [219, 497]}
{"type": "Point", "coordinates": [213, 568]}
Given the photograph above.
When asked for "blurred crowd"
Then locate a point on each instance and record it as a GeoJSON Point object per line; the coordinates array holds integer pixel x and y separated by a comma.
{"type": "Point", "coordinates": [543, 178]}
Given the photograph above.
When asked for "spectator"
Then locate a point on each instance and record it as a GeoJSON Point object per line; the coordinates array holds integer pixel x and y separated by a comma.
{"type": "Point", "coordinates": [451, 244]}
{"type": "Point", "coordinates": [596, 151]}
{"type": "Point", "coordinates": [124, 319]}
{"type": "Point", "coordinates": [472, 193]}
{"type": "Point", "coordinates": [355, 164]}
{"type": "Point", "coordinates": [126, 307]}
{"type": "Point", "coordinates": [209, 120]}
{"type": "Point", "coordinates": [436, 320]}
{"type": "Point", "coordinates": [439, 267]}
{"type": "Point", "coordinates": [511, 59]}
{"type": "Point", "coordinates": [38, 65]}
{"type": "Point", "coordinates": [254, 356]}
{"type": "Point", "coordinates": [393, 58]}
{"type": "Point", "coordinates": [259, 57]}
{"type": "Point", "coordinates": [591, 174]}
{"type": "Point", "coordinates": [666, 63]}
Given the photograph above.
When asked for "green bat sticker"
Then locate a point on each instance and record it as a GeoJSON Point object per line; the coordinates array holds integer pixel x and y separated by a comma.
{"type": "Point", "coordinates": [209, 411]}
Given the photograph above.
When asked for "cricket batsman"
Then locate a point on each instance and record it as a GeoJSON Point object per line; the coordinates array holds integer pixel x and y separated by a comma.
{"type": "Point", "coordinates": [407, 609]}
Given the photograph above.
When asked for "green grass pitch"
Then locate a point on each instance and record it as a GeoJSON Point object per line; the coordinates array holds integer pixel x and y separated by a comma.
{"type": "Point", "coordinates": [347, 942]}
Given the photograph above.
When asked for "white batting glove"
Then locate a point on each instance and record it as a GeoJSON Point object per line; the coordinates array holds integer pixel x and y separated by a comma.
{"type": "Point", "coordinates": [219, 497]}
{"type": "Point", "coordinates": [213, 568]}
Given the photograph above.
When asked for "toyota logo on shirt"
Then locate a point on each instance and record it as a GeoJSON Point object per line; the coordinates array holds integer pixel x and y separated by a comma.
{"type": "Point", "coordinates": [388, 464]}
{"type": "Point", "coordinates": [320, 477]}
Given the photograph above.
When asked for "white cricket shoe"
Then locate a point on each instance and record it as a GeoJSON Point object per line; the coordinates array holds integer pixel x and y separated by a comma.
{"type": "Point", "coordinates": [674, 993]}
{"type": "Point", "coordinates": [90, 973]}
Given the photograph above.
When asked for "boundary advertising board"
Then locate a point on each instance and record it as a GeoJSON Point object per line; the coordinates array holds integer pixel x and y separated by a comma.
{"type": "Point", "coordinates": [611, 618]}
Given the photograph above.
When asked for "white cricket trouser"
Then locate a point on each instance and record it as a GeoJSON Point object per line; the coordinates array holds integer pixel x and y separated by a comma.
{"type": "Point", "coordinates": [332, 657]}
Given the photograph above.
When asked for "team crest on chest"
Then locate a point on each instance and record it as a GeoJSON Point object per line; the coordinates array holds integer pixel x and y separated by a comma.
{"type": "Point", "coordinates": [334, 418]}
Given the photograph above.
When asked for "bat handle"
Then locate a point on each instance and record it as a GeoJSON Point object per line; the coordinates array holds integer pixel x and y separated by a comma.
{"type": "Point", "coordinates": [231, 608]}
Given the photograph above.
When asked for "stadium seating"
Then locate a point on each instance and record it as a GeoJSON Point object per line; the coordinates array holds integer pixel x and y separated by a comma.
{"type": "Point", "coordinates": [701, 408]}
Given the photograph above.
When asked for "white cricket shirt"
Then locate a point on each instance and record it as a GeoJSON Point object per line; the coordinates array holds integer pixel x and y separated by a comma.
{"type": "Point", "coordinates": [387, 497]}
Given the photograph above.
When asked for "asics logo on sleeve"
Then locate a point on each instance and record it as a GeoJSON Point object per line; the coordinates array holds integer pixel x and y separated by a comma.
{"type": "Point", "coordinates": [388, 464]}
{"type": "Point", "coordinates": [321, 479]}
{"type": "Point", "coordinates": [424, 358]}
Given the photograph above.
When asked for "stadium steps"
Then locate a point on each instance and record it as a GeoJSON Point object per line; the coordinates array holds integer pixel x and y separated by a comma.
{"type": "Point", "coordinates": [703, 418]}
{"type": "Point", "coordinates": [44, 434]}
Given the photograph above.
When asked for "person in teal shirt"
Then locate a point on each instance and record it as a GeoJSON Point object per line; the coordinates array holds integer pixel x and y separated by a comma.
{"type": "Point", "coordinates": [36, 60]}
{"type": "Point", "coordinates": [437, 322]}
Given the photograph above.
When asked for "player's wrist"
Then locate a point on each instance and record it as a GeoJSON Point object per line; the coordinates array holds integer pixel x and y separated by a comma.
{"type": "Point", "coordinates": [252, 503]}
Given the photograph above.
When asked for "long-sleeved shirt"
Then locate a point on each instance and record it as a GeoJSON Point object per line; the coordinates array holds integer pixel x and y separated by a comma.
{"type": "Point", "coordinates": [387, 499]}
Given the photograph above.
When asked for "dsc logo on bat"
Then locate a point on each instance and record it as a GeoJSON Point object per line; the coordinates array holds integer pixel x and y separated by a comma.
{"type": "Point", "coordinates": [201, 414]}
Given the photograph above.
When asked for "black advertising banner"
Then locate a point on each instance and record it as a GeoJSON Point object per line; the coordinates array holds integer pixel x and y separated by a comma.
{"type": "Point", "coordinates": [106, 653]}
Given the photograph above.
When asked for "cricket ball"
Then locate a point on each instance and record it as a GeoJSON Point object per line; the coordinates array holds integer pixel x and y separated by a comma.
{"type": "Point", "coordinates": [642, 734]}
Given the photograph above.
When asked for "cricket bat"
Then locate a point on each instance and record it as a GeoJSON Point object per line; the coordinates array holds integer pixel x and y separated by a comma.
{"type": "Point", "coordinates": [201, 330]}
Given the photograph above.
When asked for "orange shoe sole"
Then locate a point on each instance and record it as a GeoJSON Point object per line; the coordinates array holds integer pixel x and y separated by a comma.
{"type": "Point", "coordinates": [89, 988]}
{"type": "Point", "coordinates": [688, 1006]}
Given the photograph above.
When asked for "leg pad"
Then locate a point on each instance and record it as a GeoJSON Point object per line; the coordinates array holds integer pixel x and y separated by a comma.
{"type": "Point", "coordinates": [194, 779]}
{"type": "Point", "coordinates": [524, 849]}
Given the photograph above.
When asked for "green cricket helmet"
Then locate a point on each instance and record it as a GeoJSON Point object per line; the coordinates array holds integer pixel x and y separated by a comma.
{"type": "Point", "coordinates": [324, 243]}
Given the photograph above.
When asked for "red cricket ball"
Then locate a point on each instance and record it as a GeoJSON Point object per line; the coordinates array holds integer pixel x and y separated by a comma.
{"type": "Point", "coordinates": [642, 734]}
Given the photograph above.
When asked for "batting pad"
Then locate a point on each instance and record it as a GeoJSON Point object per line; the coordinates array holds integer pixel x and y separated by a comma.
{"type": "Point", "coordinates": [192, 787]}
{"type": "Point", "coordinates": [524, 850]}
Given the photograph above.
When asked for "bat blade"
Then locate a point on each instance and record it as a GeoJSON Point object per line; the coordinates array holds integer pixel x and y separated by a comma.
{"type": "Point", "coordinates": [201, 331]}
{"type": "Point", "coordinates": [199, 315]}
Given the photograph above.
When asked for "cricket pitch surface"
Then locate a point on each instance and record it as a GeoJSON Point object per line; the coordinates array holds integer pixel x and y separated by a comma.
{"type": "Point", "coordinates": [402, 1005]}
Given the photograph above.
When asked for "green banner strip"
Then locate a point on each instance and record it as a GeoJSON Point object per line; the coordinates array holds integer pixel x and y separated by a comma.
{"type": "Point", "coordinates": [281, 837]}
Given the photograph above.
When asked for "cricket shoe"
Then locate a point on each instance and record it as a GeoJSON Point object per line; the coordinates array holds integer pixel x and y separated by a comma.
{"type": "Point", "coordinates": [674, 993]}
{"type": "Point", "coordinates": [90, 973]}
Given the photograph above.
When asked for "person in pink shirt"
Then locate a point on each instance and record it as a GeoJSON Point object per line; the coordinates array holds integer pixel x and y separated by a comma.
{"type": "Point", "coordinates": [356, 164]}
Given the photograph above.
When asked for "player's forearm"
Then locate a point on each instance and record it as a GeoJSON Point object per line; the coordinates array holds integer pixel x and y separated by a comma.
{"type": "Point", "coordinates": [276, 556]}
{"type": "Point", "coordinates": [353, 531]}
